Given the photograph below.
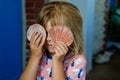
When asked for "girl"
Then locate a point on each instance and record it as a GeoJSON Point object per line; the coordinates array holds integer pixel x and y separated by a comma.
{"type": "Point", "coordinates": [57, 62]}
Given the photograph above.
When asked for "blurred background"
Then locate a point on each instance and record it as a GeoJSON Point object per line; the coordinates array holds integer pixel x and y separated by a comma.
{"type": "Point", "coordinates": [101, 31]}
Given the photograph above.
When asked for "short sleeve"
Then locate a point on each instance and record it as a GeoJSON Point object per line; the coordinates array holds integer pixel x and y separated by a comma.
{"type": "Point", "coordinates": [76, 69]}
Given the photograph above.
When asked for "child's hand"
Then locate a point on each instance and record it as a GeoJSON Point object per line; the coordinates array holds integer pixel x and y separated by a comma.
{"type": "Point", "coordinates": [36, 44]}
{"type": "Point", "coordinates": [60, 51]}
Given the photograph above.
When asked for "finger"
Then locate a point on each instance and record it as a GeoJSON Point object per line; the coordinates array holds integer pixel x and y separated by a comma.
{"type": "Point", "coordinates": [35, 38]}
{"type": "Point", "coordinates": [63, 47]}
{"type": "Point", "coordinates": [32, 37]}
{"type": "Point", "coordinates": [42, 42]}
{"type": "Point", "coordinates": [57, 49]}
{"type": "Point", "coordinates": [38, 40]}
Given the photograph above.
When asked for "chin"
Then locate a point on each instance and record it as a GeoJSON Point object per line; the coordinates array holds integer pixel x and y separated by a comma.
{"type": "Point", "coordinates": [51, 49]}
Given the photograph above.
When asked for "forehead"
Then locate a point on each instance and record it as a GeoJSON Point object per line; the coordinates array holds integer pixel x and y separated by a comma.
{"type": "Point", "coordinates": [48, 26]}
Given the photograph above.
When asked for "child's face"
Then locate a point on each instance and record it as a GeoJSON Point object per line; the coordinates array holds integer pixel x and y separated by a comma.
{"type": "Point", "coordinates": [49, 42]}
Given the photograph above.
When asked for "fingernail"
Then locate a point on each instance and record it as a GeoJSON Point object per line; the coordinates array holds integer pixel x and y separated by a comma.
{"type": "Point", "coordinates": [36, 32]}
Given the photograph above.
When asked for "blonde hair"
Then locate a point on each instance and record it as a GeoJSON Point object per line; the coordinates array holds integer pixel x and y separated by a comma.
{"type": "Point", "coordinates": [67, 14]}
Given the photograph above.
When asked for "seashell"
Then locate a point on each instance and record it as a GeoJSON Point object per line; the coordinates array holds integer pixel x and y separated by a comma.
{"type": "Point", "coordinates": [35, 28]}
{"type": "Point", "coordinates": [61, 33]}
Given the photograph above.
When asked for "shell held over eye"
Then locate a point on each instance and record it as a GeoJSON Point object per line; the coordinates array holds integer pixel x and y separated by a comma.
{"type": "Point", "coordinates": [61, 33]}
{"type": "Point", "coordinates": [35, 28]}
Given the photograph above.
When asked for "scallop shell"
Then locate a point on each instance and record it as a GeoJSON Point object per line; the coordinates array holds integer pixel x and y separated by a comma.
{"type": "Point", "coordinates": [61, 33]}
{"type": "Point", "coordinates": [35, 28]}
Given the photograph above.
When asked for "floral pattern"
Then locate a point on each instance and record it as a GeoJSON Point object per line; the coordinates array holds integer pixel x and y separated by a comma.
{"type": "Point", "coordinates": [74, 67]}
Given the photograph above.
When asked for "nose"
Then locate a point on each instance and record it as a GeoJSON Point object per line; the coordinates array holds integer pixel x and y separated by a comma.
{"type": "Point", "coordinates": [48, 37]}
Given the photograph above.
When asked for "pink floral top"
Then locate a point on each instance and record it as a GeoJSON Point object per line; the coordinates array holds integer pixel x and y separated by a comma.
{"type": "Point", "coordinates": [74, 67]}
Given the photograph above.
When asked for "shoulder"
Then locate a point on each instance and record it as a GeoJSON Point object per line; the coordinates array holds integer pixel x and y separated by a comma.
{"type": "Point", "coordinates": [77, 67]}
{"type": "Point", "coordinates": [78, 60]}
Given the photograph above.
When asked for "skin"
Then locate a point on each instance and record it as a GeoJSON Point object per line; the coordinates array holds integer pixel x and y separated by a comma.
{"type": "Point", "coordinates": [57, 50]}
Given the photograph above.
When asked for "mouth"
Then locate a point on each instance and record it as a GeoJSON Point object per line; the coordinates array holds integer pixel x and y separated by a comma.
{"type": "Point", "coordinates": [49, 45]}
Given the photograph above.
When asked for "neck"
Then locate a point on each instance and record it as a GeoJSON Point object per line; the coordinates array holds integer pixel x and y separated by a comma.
{"type": "Point", "coordinates": [49, 53]}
